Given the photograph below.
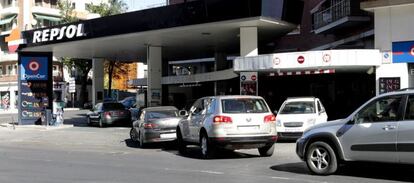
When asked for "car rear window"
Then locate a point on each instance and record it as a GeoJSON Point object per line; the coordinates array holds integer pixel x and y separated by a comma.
{"type": "Point", "coordinates": [244, 105]}
{"type": "Point", "coordinates": [110, 106]}
{"type": "Point", "coordinates": [152, 115]}
{"type": "Point", "coordinates": [298, 108]}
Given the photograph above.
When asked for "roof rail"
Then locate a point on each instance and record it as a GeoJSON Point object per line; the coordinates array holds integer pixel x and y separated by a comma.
{"type": "Point", "coordinates": [303, 97]}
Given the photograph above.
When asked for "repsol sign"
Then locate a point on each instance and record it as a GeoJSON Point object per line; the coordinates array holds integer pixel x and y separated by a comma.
{"type": "Point", "coordinates": [68, 32]}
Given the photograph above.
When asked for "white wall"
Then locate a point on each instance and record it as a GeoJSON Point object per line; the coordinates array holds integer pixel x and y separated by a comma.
{"type": "Point", "coordinates": [393, 24]}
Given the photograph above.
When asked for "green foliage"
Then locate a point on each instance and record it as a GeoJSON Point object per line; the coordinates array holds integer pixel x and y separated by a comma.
{"type": "Point", "coordinates": [113, 7]}
{"type": "Point", "coordinates": [66, 11]}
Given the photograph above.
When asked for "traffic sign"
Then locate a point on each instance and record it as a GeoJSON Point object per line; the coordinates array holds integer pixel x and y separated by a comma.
{"type": "Point", "coordinates": [72, 85]}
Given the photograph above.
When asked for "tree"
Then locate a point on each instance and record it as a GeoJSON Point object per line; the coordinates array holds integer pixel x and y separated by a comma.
{"type": "Point", "coordinates": [113, 7]}
{"type": "Point", "coordinates": [83, 66]}
{"type": "Point", "coordinates": [114, 68]}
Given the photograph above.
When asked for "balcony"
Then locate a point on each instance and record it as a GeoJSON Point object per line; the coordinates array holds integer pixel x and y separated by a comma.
{"type": "Point", "coordinates": [344, 14]}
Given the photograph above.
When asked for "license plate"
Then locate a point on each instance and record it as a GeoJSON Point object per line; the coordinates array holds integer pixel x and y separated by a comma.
{"type": "Point", "coordinates": [248, 128]}
{"type": "Point", "coordinates": [168, 135]}
{"type": "Point", "coordinates": [293, 129]}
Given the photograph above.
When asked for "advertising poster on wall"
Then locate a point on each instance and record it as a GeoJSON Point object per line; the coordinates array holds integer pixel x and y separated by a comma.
{"type": "Point", "coordinates": [35, 86]}
{"type": "Point", "coordinates": [248, 83]}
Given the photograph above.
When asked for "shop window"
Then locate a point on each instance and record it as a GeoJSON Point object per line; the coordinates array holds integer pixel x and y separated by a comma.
{"type": "Point", "coordinates": [1, 70]}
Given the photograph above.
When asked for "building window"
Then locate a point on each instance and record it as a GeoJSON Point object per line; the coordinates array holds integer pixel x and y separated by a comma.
{"type": "Point", "coordinates": [9, 69]}
{"type": "Point", "coordinates": [15, 69]}
{"type": "Point", "coordinates": [38, 2]}
{"type": "Point", "coordinates": [8, 26]}
{"type": "Point", "coordinates": [1, 70]}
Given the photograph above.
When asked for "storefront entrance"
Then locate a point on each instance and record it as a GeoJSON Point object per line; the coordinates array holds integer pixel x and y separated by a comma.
{"type": "Point", "coordinates": [340, 93]}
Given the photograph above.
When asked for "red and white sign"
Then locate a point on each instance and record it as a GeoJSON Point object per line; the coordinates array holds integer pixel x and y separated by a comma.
{"type": "Point", "coordinates": [412, 51]}
{"type": "Point", "coordinates": [327, 71]}
{"type": "Point", "coordinates": [254, 77]}
{"type": "Point", "coordinates": [34, 65]}
{"type": "Point", "coordinates": [301, 59]}
{"type": "Point", "coordinates": [248, 76]}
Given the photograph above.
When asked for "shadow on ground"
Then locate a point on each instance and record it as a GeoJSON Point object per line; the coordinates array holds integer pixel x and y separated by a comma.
{"type": "Point", "coordinates": [389, 172]}
{"type": "Point", "coordinates": [192, 152]}
{"type": "Point", "coordinates": [81, 120]}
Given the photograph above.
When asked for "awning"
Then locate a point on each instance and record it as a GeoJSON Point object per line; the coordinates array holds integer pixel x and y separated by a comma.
{"type": "Point", "coordinates": [50, 18]}
{"type": "Point", "coordinates": [7, 20]}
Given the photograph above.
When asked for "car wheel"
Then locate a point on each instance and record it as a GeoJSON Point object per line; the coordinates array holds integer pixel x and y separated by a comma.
{"type": "Point", "coordinates": [89, 123]}
{"type": "Point", "coordinates": [101, 125]}
{"type": "Point", "coordinates": [267, 150]}
{"type": "Point", "coordinates": [207, 149]}
{"type": "Point", "coordinates": [133, 135]}
{"type": "Point", "coordinates": [182, 147]}
{"type": "Point", "coordinates": [141, 140]}
{"type": "Point", "coordinates": [321, 159]}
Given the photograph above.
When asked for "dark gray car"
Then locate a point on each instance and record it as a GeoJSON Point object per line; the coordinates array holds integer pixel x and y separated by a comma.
{"type": "Point", "coordinates": [155, 124]}
{"type": "Point", "coordinates": [109, 113]}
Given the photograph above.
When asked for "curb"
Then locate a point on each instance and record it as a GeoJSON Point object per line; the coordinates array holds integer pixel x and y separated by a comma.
{"type": "Point", "coordinates": [36, 127]}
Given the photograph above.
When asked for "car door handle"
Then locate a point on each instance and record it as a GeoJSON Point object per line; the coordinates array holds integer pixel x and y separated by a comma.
{"type": "Point", "coordinates": [389, 127]}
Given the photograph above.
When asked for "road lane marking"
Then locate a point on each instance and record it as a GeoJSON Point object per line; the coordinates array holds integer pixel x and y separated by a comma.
{"type": "Point", "coordinates": [197, 171]}
{"type": "Point", "coordinates": [283, 178]}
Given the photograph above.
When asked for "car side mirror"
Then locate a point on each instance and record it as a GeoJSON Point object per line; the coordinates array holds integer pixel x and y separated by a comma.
{"type": "Point", "coordinates": [275, 112]}
{"type": "Point", "coordinates": [183, 113]}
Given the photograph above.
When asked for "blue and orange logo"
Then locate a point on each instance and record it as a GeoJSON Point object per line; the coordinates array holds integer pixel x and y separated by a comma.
{"type": "Point", "coordinates": [14, 40]}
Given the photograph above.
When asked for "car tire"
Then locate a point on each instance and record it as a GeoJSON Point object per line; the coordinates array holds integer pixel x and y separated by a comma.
{"type": "Point", "coordinates": [207, 148]}
{"type": "Point", "coordinates": [101, 125]}
{"type": "Point", "coordinates": [133, 135]}
{"type": "Point", "coordinates": [141, 140]}
{"type": "Point", "coordinates": [89, 122]}
{"type": "Point", "coordinates": [267, 150]}
{"type": "Point", "coordinates": [182, 146]}
{"type": "Point", "coordinates": [321, 158]}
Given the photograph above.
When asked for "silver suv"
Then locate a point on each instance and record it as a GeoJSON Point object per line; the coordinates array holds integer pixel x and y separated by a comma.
{"type": "Point", "coordinates": [230, 122]}
{"type": "Point", "coordinates": [381, 130]}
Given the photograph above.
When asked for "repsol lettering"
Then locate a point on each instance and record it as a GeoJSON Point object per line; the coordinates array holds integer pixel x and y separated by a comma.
{"type": "Point", "coordinates": [52, 34]}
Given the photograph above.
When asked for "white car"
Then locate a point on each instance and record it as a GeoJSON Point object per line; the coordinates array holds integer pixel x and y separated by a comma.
{"type": "Point", "coordinates": [298, 114]}
{"type": "Point", "coordinates": [229, 122]}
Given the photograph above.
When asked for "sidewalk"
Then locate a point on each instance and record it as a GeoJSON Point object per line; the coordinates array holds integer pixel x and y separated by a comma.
{"type": "Point", "coordinates": [37, 127]}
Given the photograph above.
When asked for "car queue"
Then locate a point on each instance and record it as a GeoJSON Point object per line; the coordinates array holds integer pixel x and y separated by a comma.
{"type": "Point", "coordinates": [379, 131]}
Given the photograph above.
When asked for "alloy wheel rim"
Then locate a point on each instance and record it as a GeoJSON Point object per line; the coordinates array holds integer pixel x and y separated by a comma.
{"type": "Point", "coordinates": [132, 135]}
{"type": "Point", "coordinates": [204, 145]}
{"type": "Point", "coordinates": [319, 158]}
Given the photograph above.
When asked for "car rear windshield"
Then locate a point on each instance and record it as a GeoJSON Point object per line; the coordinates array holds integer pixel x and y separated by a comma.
{"type": "Point", "coordinates": [298, 108]}
{"type": "Point", "coordinates": [244, 105]}
{"type": "Point", "coordinates": [152, 115]}
{"type": "Point", "coordinates": [110, 106]}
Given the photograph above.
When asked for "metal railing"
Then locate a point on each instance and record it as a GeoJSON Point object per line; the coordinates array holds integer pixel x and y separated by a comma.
{"type": "Point", "coordinates": [332, 14]}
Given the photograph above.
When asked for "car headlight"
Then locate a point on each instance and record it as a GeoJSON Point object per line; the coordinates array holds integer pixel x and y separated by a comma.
{"type": "Point", "coordinates": [278, 123]}
{"type": "Point", "coordinates": [311, 122]}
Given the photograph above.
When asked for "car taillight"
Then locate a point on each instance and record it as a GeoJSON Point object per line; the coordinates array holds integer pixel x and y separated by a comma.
{"type": "Point", "coordinates": [149, 125]}
{"type": "Point", "coordinates": [270, 118]}
{"type": "Point", "coordinates": [222, 119]}
{"type": "Point", "coordinates": [107, 114]}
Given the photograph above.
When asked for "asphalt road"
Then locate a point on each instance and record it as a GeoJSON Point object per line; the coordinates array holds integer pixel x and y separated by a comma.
{"type": "Point", "coordinates": [91, 154]}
